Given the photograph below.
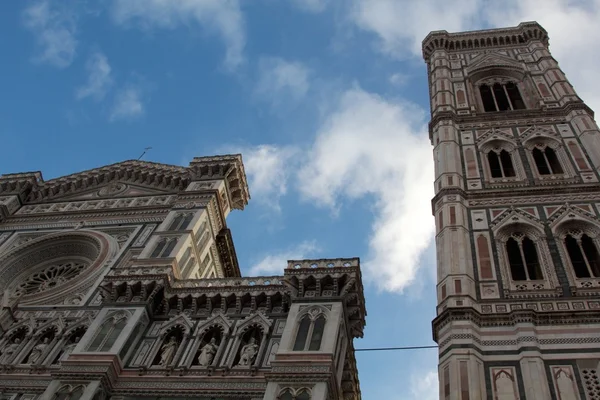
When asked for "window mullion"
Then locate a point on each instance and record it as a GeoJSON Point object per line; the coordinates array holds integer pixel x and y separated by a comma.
{"type": "Point", "coordinates": [507, 97]}
{"type": "Point", "coordinates": [548, 162]}
{"type": "Point", "coordinates": [523, 259]}
{"type": "Point", "coordinates": [105, 338]}
{"type": "Point", "coordinates": [501, 166]}
{"type": "Point", "coordinates": [585, 259]}
{"type": "Point", "coordinates": [494, 97]}
{"type": "Point", "coordinates": [309, 335]}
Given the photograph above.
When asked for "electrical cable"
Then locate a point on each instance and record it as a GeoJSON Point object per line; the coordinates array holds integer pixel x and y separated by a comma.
{"type": "Point", "coordinates": [398, 348]}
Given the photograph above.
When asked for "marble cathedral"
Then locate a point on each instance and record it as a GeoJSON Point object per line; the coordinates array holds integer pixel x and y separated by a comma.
{"type": "Point", "coordinates": [122, 282]}
{"type": "Point", "coordinates": [517, 211]}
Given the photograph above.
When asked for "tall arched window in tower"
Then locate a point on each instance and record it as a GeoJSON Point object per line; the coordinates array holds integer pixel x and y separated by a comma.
{"type": "Point", "coordinates": [501, 97]}
{"type": "Point", "coordinates": [583, 255]}
{"type": "Point", "coordinates": [312, 329]}
{"type": "Point", "coordinates": [500, 163]}
{"type": "Point", "coordinates": [523, 258]}
{"type": "Point", "coordinates": [546, 160]}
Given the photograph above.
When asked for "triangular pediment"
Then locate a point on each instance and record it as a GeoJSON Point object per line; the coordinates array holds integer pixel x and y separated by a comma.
{"type": "Point", "coordinates": [569, 214]}
{"type": "Point", "coordinates": [493, 60]}
{"type": "Point", "coordinates": [128, 178]}
{"type": "Point", "coordinates": [114, 190]}
{"type": "Point", "coordinates": [515, 216]}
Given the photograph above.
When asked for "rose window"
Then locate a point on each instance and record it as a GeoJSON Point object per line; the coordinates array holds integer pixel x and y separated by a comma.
{"type": "Point", "coordinates": [50, 277]}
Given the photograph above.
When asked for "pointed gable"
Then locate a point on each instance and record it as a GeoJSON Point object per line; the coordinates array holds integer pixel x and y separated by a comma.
{"type": "Point", "coordinates": [491, 62]}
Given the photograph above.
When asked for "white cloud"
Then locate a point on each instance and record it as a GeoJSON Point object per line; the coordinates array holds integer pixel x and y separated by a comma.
{"type": "Point", "coordinates": [425, 386]}
{"type": "Point", "coordinates": [402, 25]}
{"type": "Point", "coordinates": [127, 104]}
{"type": "Point", "coordinates": [373, 146]}
{"type": "Point", "coordinates": [276, 262]}
{"type": "Point", "coordinates": [268, 172]}
{"type": "Point", "coordinates": [399, 79]}
{"type": "Point", "coordinates": [314, 6]}
{"type": "Point", "coordinates": [99, 78]}
{"type": "Point", "coordinates": [54, 29]}
{"type": "Point", "coordinates": [279, 78]}
{"type": "Point", "coordinates": [223, 17]}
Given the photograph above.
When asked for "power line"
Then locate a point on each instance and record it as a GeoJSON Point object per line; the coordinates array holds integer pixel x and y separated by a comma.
{"type": "Point", "coordinates": [398, 348]}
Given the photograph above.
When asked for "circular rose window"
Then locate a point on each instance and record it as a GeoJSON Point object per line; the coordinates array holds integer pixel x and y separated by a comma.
{"type": "Point", "coordinates": [51, 276]}
{"type": "Point", "coordinates": [49, 269]}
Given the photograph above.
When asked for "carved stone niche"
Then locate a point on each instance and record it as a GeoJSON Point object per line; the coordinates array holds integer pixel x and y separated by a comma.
{"type": "Point", "coordinates": [50, 269]}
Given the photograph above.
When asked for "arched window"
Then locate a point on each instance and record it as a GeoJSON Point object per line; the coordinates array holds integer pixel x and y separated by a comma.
{"type": "Point", "coordinates": [181, 222]}
{"type": "Point", "coordinates": [583, 255]}
{"type": "Point", "coordinates": [288, 394]}
{"type": "Point", "coordinates": [523, 258]}
{"type": "Point", "coordinates": [108, 333]}
{"type": "Point", "coordinates": [69, 393]}
{"type": "Point", "coordinates": [164, 247]}
{"type": "Point", "coordinates": [546, 161]}
{"type": "Point", "coordinates": [501, 165]}
{"type": "Point", "coordinates": [310, 328]}
{"type": "Point", "coordinates": [501, 97]}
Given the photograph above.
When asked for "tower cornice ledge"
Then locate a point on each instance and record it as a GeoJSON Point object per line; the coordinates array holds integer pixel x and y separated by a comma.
{"type": "Point", "coordinates": [536, 318]}
{"type": "Point", "coordinates": [488, 38]}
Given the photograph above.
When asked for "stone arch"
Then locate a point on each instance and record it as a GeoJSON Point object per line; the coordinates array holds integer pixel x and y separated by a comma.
{"type": "Point", "coordinates": [52, 267]}
{"type": "Point", "coordinates": [517, 225]}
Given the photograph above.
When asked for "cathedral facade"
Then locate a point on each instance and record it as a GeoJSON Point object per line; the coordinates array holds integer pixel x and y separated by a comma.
{"type": "Point", "coordinates": [517, 211]}
{"type": "Point", "coordinates": [122, 282]}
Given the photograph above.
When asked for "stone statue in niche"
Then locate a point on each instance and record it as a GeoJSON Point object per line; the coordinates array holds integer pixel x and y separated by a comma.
{"type": "Point", "coordinates": [207, 354]}
{"type": "Point", "coordinates": [167, 351]}
{"type": "Point", "coordinates": [10, 350]}
{"type": "Point", "coordinates": [248, 352]}
{"type": "Point", "coordinates": [37, 351]}
{"type": "Point", "coordinates": [69, 348]}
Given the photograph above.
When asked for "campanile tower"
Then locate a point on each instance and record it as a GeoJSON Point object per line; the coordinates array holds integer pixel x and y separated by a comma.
{"type": "Point", "coordinates": [517, 209]}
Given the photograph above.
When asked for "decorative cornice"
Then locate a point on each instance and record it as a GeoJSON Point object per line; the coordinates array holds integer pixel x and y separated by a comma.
{"type": "Point", "coordinates": [31, 187]}
{"type": "Point", "coordinates": [509, 118]}
{"type": "Point", "coordinates": [522, 34]}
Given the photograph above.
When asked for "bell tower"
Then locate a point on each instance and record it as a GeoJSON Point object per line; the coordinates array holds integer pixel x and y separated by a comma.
{"type": "Point", "coordinates": [517, 206]}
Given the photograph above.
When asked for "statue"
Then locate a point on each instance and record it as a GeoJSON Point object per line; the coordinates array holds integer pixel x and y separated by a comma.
{"type": "Point", "coordinates": [37, 351]}
{"type": "Point", "coordinates": [10, 351]}
{"type": "Point", "coordinates": [207, 354]}
{"type": "Point", "coordinates": [69, 348]}
{"type": "Point", "coordinates": [248, 352]}
{"type": "Point", "coordinates": [167, 351]}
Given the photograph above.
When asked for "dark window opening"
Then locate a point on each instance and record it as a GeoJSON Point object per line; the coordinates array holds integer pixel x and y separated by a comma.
{"type": "Point", "coordinates": [507, 163]}
{"type": "Point", "coordinates": [591, 253]}
{"type": "Point", "coordinates": [584, 256]}
{"type": "Point", "coordinates": [515, 97]}
{"type": "Point", "coordinates": [540, 162]}
{"type": "Point", "coordinates": [501, 97]}
{"type": "Point", "coordinates": [546, 161]}
{"type": "Point", "coordinates": [531, 259]}
{"type": "Point", "coordinates": [553, 161]}
{"type": "Point", "coordinates": [517, 270]}
{"type": "Point", "coordinates": [487, 98]}
{"type": "Point", "coordinates": [523, 259]}
{"type": "Point", "coordinates": [495, 168]}
{"type": "Point", "coordinates": [317, 334]}
{"type": "Point", "coordinates": [302, 334]}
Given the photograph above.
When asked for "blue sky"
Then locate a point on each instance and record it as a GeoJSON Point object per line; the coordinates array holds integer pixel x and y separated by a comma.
{"type": "Point", "coordinates": [326, 99]}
